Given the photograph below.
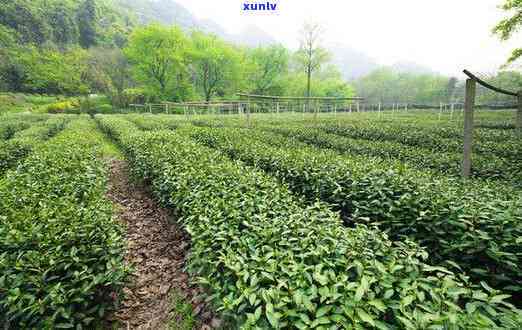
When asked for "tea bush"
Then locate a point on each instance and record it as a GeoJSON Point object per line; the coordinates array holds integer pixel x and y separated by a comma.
{"type": "Point", "coordinates": [269, 262]}
{"type": "Point", "coordinates": [9, 128]}
{"type": "Point", "coordinates": [17, 148]}
{"type": "Point", "coordinates": [61, 252]}
{"type": "Point", "coordinates": [476, 226]}
{"type": "Point", "coordinates": [104, 108]}
{"type": "Point", "coordinates": [155, 122]}
{"type": "Point", "coordinates": [511, 148]}
{"type": "Point", "coordinates": [449, 163]}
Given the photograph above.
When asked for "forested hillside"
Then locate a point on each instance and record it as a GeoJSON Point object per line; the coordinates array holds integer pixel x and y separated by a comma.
{"type": "Point", "coordinates": [142, 50]}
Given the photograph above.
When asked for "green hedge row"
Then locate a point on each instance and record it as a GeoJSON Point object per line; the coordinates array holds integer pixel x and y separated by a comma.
{"type": "Point", "coordinates": [153, 122]}
{"type": "Point", "coordinates": [476, 226]}
{"type": "Point", "coordinates": [270, 262]}
{"type": "Point", "coordinates": [484, 167]}
{"type": "Point", "coordinates": [22, 142]}
{"type": "Point", "coordinates": [8, 129]}
{"type": "Point", "coordinates": [510, 148]}
{"type": "Point", "coordinates": [12, 123]}
{"type": "Point", "coordinates": [61, 253]}
{"type": "Point", "coordinates": [420, 127]}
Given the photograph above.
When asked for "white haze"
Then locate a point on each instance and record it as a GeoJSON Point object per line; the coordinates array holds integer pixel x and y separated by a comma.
{"type": "Point", "coordinates": [444, 35]}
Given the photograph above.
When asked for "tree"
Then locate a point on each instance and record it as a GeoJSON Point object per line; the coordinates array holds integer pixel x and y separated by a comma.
{"type": "Point", "coordinates": [110, 73]}
{"type": "Point", "coordinates": [26, 19]}
{"type": "Point", "coordinates": [507, 27]}
{"type": "Point", "coordinates": [10, 76]}
{"type": "Point", "coordinates": [311, 55]}
{"type": "Point", "coordinates": [60, 16]}
{"type": "Point", "coordinates": [510, 80]}
{"type": "Point", "coordinates": [52, 71]}
{"type": "Point", "coordinates": [451, 89]}
{"type": "Point", "coordinates": [87, 23]}
{"type": "Point", "coordinates": [389, 86]}
{"type": "Point", "coordinates": [329, 83]}
{"type": "Point", "coordinates": [269, 65]}
{"type": "Point", "coordinates": [158, 55]}
{"type": "Point", "coordinates": [214, 64]}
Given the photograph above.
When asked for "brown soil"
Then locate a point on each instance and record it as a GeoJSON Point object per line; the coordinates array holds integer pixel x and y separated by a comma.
{"type": "Point", "coordinates": [156, 249]}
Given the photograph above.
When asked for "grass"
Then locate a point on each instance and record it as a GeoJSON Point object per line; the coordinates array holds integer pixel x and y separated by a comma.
{"type": "Point", "coordinates": [182, 317]}
{"type": "Point", "coordinates": [16, 102]}
{"type": "Point", "coordinates": [110, 150]}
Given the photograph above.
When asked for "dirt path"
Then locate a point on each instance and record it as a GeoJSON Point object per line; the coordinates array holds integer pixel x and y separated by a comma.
{"type": "Point", "coordinates": [157, 249]}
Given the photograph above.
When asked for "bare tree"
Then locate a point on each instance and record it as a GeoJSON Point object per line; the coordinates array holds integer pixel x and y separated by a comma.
{"type": "Point", "coordinates": [311, 55]}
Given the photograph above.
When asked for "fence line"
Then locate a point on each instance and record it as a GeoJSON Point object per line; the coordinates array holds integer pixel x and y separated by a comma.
{"type": "Point", "coordinates": [256, 106]}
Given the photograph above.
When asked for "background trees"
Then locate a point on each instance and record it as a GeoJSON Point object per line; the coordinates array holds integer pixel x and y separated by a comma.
{"type": "Point", "coordinates": [27, 19]}
{"type": "Point", "coordinates": [311, 56]}
{"type": "Point", "coordinates": [158, 55]}
{"type": "Point", "coordinates": [269, 67]}
{"type": "Point", "coordinates": [69, 47]}
{"type": "Point", "coordinates": [111, 71]}
{"type": "Point", "coordinates": [87, 23]}
{"type": "Point", "coordinates": [507, 27]}
{"type": "Point", "coordinates": [49, 71]}
{"type": "Point", "coordinates": [214, 65]}
{"type": "Point", "coordinates": [510, 80]}
{"type": "Point", "coordinates": [389, 86]}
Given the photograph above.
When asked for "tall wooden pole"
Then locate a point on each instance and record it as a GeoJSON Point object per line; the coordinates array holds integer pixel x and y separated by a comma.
{"type": "Point", "coordinates": [471, 86]}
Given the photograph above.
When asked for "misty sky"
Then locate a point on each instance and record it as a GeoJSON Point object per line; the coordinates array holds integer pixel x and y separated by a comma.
{"type": "Point", "coordinates": [445, 35]}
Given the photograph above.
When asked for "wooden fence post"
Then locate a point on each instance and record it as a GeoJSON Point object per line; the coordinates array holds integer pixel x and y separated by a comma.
{"type": "Point", "coordinates": [248, 113]}
{"type": "Point", "coordinates": [468, 127]}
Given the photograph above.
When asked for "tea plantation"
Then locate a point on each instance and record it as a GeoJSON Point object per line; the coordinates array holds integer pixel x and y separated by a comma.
{"type": "Point", "coordinates": [352, 221]}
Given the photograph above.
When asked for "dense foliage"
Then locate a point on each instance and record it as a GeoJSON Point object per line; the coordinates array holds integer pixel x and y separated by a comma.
{"type": "Point", "coordinates": [388, 85]}
{"type": "Point", "coordinates": [270, 262]}
{"type": "Point", "coordinates": [509, 147]}
{"type": "Point", "coordinates": [446, 161]}
{"type": "Point", "coordinates": [61, 253]}
{"type": "Point", "coordinates": [510, 25]}
{"type": "Point", "coordinates": [9, 128]}
{"type": "Point", "coordinates": [437, 212]}
{"type": "Point", "coordinates": [23, 142]}
{"type": "Point", "coordinates": [89, 46]}
{"type": "Point", "coordinates": [78, 47]}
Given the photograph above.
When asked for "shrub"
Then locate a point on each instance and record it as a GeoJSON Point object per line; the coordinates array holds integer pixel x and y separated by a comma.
{"type": "Point", "coordinates": [7, 130]}
{"type": "Point", "coordinates": [23, 142]}
{"type": "Point", "coordinates": [104, 108]}
{"type": "Point", "coordinates": [61, 252]}
{"type": "Point", "coordinates": [448, 163]}
{"type": "Point", "coordinates": [269, 262]}
{"type": "Point", "coordinates": [62, 107]}
{"type": "Point", "coordinates": [478, 227]}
